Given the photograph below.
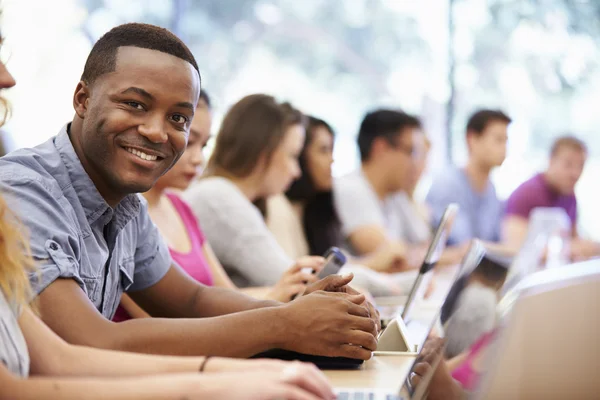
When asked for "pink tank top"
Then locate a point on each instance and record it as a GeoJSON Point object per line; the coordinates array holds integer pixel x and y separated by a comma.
{"type": "Point", "coordinates": [193, 262]}
{"type": "Point", "coordinates": [465, 373]}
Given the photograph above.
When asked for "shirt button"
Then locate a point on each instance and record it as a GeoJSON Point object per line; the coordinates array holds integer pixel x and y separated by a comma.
{"type": "Point", "coordinates": [53, 246]}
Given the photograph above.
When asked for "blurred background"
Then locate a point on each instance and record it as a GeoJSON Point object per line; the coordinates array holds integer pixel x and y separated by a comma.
{"type": "Point", "coordinates": [538, 60]}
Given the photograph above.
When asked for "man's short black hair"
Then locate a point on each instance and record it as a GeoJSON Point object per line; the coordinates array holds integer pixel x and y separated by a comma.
{"type": "Point", "coordinates": [383, 123]}
{"type": "Point", "coordinates": [205, 97]}
{"type": "Point", "coordinates": [482, 118]}
{"type": "Point", "coordinates": [103, 57]}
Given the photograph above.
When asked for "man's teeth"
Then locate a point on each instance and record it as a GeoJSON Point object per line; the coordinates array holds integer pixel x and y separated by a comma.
{"type": "Point", "coordinates": [142, 155]}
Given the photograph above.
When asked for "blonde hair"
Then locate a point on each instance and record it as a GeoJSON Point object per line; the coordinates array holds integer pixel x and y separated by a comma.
{"type": "Point", "coordinates": [15, 254]}
{"type": "Point", "coordinates": [15, 258]}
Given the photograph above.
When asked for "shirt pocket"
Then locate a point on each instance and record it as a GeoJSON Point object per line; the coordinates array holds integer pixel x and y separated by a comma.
{"type": "Point", "coordinates": [126, 272]}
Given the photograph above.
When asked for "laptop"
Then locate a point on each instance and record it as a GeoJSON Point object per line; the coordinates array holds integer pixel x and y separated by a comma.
{"type": "Point", "coordinates": [547, 346]}
{"type": "Point", "coordinates": [436, 247]}
{"type": "Point", "coordinates": [408, 391]}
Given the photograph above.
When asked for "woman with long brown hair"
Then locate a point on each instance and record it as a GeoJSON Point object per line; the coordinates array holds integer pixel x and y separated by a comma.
{"type": "Point", "coordinates": [36, 364]}
{"type": "Point", "coordinates": [255, 156]}
{"type": "Point", "coordinates": [184, 234]}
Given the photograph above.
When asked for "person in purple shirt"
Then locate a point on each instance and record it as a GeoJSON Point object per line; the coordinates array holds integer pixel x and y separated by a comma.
{"type": "Point", "coordinates": [553, 188]}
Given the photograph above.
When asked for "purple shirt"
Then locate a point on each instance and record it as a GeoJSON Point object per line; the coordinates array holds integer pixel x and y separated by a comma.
{"type": "Point", "coordinates": [536, 193]}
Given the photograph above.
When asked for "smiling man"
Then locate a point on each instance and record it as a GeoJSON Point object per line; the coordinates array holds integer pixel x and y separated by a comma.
{"type": "Point", "coordinates": [93, 239]}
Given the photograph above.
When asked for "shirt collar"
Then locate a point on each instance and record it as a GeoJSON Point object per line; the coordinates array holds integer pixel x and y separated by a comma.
{"type": "Point", "coordinates": [96, 208]}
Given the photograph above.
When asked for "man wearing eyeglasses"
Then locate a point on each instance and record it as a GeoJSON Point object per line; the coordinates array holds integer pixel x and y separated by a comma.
{"type": "Point", "coordinates": [372, 202]}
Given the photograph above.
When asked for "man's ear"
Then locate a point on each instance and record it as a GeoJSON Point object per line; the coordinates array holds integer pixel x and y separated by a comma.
{"type": "Point", "coordinates": [471, 137]}
{"type": "Point", "coordinates": [81, 99]}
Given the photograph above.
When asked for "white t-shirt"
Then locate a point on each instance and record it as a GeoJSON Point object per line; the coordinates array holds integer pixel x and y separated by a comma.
{"type": "Point", "coordinates": [237, 233]}
{"type": "Point", "coordinates": [358, 205]}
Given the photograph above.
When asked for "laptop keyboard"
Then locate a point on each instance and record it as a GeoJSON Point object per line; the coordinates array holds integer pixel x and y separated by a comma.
{"type": "Point", "coordinates": [367, 396]}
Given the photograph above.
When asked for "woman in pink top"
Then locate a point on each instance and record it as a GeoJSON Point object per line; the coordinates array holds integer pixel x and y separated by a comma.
{"type": "Point", "coordinates": [179, 227]}
{"type": "Point", "coordinates": [468, 365]}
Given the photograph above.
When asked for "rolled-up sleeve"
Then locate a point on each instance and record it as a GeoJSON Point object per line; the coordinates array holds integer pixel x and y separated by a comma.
{"type": "Point", "coordinates": [152, 257]}
{"type": "Point", "coordinates": [54, 246]}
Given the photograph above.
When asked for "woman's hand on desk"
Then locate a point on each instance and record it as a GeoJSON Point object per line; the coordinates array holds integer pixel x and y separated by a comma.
{"type": "Point", "coordinates": [296, 381]}
{"type": "Point", "coordinates": [295, 279]}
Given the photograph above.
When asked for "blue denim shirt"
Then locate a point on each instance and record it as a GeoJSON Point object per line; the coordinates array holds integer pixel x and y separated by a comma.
{"type": "Point", "coordinates": [74, 233]}
{"type": "Point", "coordinates": [480, 213]}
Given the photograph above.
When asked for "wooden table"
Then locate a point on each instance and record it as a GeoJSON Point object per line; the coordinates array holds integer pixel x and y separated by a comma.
{"type": "Point", "coordinates": [381, 372]}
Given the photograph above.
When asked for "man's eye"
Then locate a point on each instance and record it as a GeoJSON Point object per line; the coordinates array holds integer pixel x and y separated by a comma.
{"type": "Point", "coordinates": [179, 119]}
{"type": "Point", "coordinates": [135, 104]}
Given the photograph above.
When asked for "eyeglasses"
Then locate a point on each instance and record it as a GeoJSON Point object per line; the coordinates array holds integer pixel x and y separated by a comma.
{"type": "Point", "coordinates": [410, 151]}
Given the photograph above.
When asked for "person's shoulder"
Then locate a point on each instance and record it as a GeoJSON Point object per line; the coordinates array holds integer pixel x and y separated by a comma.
{"type": "Point", "coordinates": [447, 183]}
{"type": "Point", "coordinates": [535, 182]}
{"type": "Point", "coordinates": [31, 170]}
{"type": "Point", "coordinates": [533, 185]}
{"type": "Point", "coordinates": [449, 177]}
{"type": "Point", "coordinates": [353, 181]}
{"type": "Point", "coordinates": [477, 300]}
{"type": "Point", "coordinates": [215, 192]}
{"type": "Point", "coordinates": [212, 186]}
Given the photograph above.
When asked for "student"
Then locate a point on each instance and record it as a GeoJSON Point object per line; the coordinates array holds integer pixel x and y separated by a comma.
{"type": "Point", "coordinates": [470, 310]}
{"type": "Point", "coordinates": [371, 201]}
{"type": "Point", "coordinates": [36, 364]}
{"type": "Point", "coordinates": [553, 188]}
{"type": "Point", "coordinates": [255, 154]}
{"type": "Point", "coordinates": [304, 220]}
{"type": "Point", "coordinates": [442, 385]}
{"type": "Point", "coordinates": [187, 245]}
{"type": "Point", "coordinates": [470, 187]}
{"type": "Point", "coordinates": [93, 239]}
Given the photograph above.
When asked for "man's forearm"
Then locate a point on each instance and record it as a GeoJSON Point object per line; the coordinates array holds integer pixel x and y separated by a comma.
{"type": "Point", "coordinates": [213, 301]}
{"type": "Point", "coordinates": [235, 335]}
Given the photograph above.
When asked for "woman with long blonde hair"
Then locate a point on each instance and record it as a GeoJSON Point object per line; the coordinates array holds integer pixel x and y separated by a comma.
{"type": "Point", "coordinates": [36, 364]}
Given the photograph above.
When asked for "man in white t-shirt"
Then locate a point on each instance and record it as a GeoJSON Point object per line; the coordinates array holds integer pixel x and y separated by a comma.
{"type": "Point", "coordinates": [371, 202]}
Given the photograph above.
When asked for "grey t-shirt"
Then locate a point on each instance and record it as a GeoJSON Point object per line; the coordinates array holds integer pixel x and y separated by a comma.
{"type": "Point", "coordinates": [13, 349]}
{"type": "Point", "coordinates": [357, 205]}
{"type": "Point", "coordinates": [237, 233]}
{"type": "Point", "coordinates": [474, 315]}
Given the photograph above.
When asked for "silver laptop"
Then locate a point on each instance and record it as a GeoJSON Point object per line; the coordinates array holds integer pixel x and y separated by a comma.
{"type": "Point", "coordinates": [436, 247]}
{"type": "Point", "coordinates": [408, 390]}
{"type": "Point", "coordinates": [548, 346]}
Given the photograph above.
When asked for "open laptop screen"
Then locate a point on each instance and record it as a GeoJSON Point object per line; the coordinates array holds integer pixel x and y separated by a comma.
{"type": "Point", "coordinates": [436, 247]}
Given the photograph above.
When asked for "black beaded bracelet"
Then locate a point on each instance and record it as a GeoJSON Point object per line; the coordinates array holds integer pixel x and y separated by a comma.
{"type": "Point", "coordinates": [204, 363]}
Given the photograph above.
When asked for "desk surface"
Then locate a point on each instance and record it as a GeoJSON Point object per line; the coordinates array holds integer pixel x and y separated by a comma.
{"type": "Point", "coordinates": [382, 372]}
